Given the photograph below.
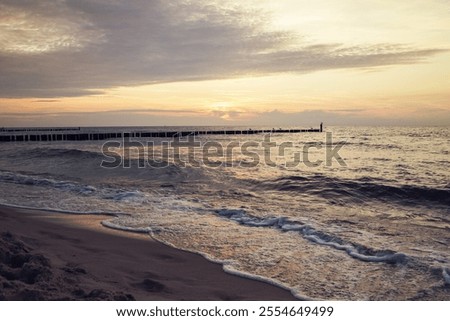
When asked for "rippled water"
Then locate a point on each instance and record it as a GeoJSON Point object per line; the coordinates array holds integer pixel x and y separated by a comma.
{"type": "Point", "coordinates": [374, 225]}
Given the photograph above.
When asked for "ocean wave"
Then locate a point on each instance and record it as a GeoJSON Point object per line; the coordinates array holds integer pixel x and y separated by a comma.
{"type": "Point", "coordinates": [446, 275]}
{"type": "Point", "coordinates": [356, 251]}
{"type": "Point", "coordinates": [23, 179]}
{"type": "Point", "coordinates": [360, 190]}
{"type": "Point", "coordinates": [62, 211]}
{"type": "Point", "coordinates": [126, 196]}
{"type": "Point", "coordinates": [71, 153]}
{"type": "Point", "coordinates": [80, 189]}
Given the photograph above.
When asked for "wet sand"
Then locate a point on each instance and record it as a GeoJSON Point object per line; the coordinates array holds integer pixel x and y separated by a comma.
{"type": "Point", "coordinates": [52, 256]}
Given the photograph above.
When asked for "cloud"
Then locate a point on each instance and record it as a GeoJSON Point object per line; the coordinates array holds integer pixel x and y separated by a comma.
{"type": "Point", "coordinates": [46, 101]}
{"type": "Point", "coordinates": [78, 47]}
{"type": "Point", "coordinates": [154, 111]}
{"type": "Point", "coordinates": [30, 28]}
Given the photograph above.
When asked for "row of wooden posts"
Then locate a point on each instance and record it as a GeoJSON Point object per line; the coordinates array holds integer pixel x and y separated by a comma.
{"type": "Point", "coordinates": [80, 136]}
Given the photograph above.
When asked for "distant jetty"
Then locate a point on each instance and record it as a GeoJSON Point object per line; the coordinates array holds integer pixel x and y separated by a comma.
{"type": "Point", "coordinates": [78, 134]}
{"type": "Point", "coordinates": [38, 129]}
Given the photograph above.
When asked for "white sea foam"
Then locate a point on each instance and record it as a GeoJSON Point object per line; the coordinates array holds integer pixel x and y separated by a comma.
{"type": "Point", "coordinates": [141, 230]}
{"type": "Point", "coordinates": [63, 211]}
{"type": "Point", "coordinates": [127, 196]}
{"type": "Point", "coordinates": [17, 178]}
{"type": "Point", "coordinates": [313, 235]}
{"type": "Point", "coordinates": [446, 275]}
{"type": "Point", "coordinates": [230, 269]}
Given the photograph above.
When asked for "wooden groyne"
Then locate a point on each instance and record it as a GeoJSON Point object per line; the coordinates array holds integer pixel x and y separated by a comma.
{"type": "Point", "coordinates": [37, 129]}
{"type": "Point", "coordinates": [61, 135]}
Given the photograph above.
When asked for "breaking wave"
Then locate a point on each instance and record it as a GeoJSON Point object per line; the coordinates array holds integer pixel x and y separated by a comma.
{"type": "Point", "coordinates": [356, 251]}
{"type": "Point", "coordinates": [364, 189]}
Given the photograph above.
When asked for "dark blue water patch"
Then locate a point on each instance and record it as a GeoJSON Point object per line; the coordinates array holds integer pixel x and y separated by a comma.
{"type": "Point", "coordinates": [357, 191]}
{"type": "Point", "coordinates": [55, 153]}
{"type": "Point", "coordinates": [76, 156]}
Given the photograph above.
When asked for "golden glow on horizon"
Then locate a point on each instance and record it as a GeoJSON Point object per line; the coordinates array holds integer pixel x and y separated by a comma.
{"type": "Point", "coordinates": [221, 105]}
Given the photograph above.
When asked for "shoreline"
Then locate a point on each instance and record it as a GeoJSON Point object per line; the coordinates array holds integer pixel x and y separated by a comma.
{"type": "Point", "coordinates": [47, 255]}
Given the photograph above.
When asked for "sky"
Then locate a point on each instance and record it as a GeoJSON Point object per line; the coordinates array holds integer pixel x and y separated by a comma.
{"type": "Point", "coordinates": [265, 62]}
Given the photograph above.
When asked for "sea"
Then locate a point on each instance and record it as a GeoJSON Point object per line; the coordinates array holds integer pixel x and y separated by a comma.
{"type": "Point", "coordinates": [351, 213]}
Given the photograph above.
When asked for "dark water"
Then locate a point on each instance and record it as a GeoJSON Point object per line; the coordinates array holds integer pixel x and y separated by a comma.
{"type": "Point", "coordinates": [372, 222]}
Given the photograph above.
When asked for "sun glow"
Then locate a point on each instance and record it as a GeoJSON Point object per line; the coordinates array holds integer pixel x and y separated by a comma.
{"type": "Point", "coordinates": [221, 105]}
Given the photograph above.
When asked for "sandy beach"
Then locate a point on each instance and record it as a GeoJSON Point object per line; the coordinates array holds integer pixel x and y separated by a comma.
{"type": "Point", "coordinates": [52, 256]}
